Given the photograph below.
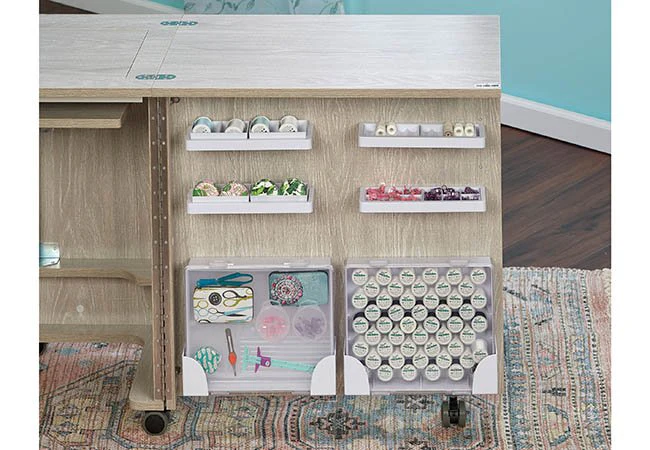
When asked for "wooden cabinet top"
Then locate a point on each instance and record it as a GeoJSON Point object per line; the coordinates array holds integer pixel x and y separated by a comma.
{"type": "Point", "coordinates": [130, 56]}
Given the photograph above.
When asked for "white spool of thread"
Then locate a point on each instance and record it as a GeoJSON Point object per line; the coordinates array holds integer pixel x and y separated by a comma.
{"type": "Point", "coordinates": [479, 299]}
{"type": "Point", "coordinates": [372, 312]}
{"type": "Point", "coordinates": [455, 300]}
{"type": "Point", "coordinates": [260, 124]}
{"type": "Point", "coordinates": [443, 360]}
{"type": "Point", "coordinates": [407, 276]}
{"type": "Point", "coordinates": [419, 312]}
{"type": "Point", "coordinates": [466, 311]}
{"type": "Point", "coordinates": [478, 275]}
{"type": "Point", "coordinates": [359, 299]}
{"type": "Point", "coordinates": [454, 275]}
{"type": "Point", "coordinates": [380, 130]}
{"type": "Point", "coordinates": [408, 324]}
{"type": "Point", "coordinates": [407, 300]}
{"type": "Point", "coordinates": [395, 289]}
{"type": "Point", "coordinates": [391, 128]}
{"type": "Point", "coordinates": [372, 336]}
{"type": "Point", "coordinates": [360, 325]}
{"type": "Point", "coordinates": [360, 348]}
{"type": "Point", "coordinates": [396, 313]}
{"type": "Point", "coordinates": [442, 288]}
{"type": "Point", "coordinates": [385, 373]}
{"type": "Point", "coordinates": [443, 312]}
{"type": "Point", "coordinates": [430, 275]}
{"type": "Point", "coordinates": [431, 324]}
{"type": "Point", "coordinates": [443, 336]}
{"type": "Point", "coordinates": [479, 323]}
{"type": "Point", "coordinates": [432, 372]}
{"type": "Point", "coordinates": [409, 372]}
{"type": "Point", "coordinates": [396, 336]}
{"type": "Point", "coordinates": [408, 348]}
{"type": "Point", "coordinates": [455, 348]}
{"type": "Point", "coordinates": [420, 336]}
{"type": "Point", "coordinates": [431, 300]}
{"type": "Point", "coordinates": [419, 287]}
{"type": "Point", "coordinates": [384, 276]}
{"type": "Point", "coordinates": [479, 350]}
{"type": "Point", "coordinates": [396, 360]}
{"type": "Point", "coordinates": [384, 300]}
{"type": "Point", "coordinates": [373, 360]}
{"type": "Point", "coordinates": [371, 289]}
{"type": "Point", "coordinates": [432, 348]}
{"type": "Point", "coordinates": [459, 129]}
{"type": "Point", "coordinates": [455, 324]}
{"type": "Point", "coordinates": [467, 359]}
{"type": "Point", "coordinates": [235, 126]}
{"type": "Point", "coordinates": [384, 325]}
{"type": "Point", "coordinates": [466, 287]}
{"type": "Point", "coordinates": [467, 335]}
{"type": "Point", "coordinates": [455, 372]}
{"type": "Point", "coordinates": [385, 348]}
{"type": "Point", "coordinates": [202, 125]}
{"type": "Point", "coordinates": [359, 277]}
{"type": "Point", "coordinates": [470, 130]}
{"type": "Point", "coordinates": [420, 360]}
{"type": "Point", "coordinates": [288, 124]}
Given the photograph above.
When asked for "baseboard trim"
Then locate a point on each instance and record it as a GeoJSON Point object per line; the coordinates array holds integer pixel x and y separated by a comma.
{"type": "Point", "coordinates": [556, 123]}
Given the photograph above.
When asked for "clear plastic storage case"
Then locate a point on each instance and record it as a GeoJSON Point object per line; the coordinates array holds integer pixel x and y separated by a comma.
{"type": "Point", "coordinates": [421, 324]}
{"type": "Point", "coordinates": [289, 319]}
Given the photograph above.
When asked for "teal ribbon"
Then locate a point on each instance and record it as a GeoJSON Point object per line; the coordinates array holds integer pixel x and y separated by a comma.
{"type": "Point", "coordinates": [236, 279]}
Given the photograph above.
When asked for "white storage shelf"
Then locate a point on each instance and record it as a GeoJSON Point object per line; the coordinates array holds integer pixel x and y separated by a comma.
{"type": "Point", "coordinates": [482, 379]}
{"type": "Point", "coordinates": [422, 206]}
{"type": "Point", "coordinates": [415, 135]}
{"type": "Point", "coordinates": [280, 204]}
{"type": "Point", "coordinates": [293, 348]}
{"type": "Point", "coordinates": [220, 141]}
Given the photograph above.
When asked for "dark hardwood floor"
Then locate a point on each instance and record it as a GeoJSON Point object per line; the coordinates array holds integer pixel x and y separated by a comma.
{"type": "Point", "coordinates": [556, 203]}
{"type": "Point", "coordinates": [556, 198]}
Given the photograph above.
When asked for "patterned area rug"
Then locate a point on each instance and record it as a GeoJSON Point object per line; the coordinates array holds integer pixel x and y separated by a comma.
{"type": "Point", "coordinates": [557, 345]}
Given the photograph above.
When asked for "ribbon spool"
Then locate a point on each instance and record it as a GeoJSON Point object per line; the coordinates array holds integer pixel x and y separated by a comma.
{"type": "Point", "coordinates": [470, 130]}
{"type": "Point", "coordinates": [235, 126]}
{"type": "Point", "coordinates": [260, 124]}
{"type": "Point", "coordinates": [202, 125]}
{"type": "Point", "coordinates": [380, 130]}
{"type": "Point", "coordinates": [288, 124]}
{"type": "Point", "coordinates": [391, 128]}
{"type": "Point", "coordinates": [459, 129]}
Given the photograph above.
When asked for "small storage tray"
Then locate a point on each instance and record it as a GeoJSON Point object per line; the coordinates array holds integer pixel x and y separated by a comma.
{"type": "Point", "coordinates": [415, 135]}
{"type": "Point", "coordinates": [483, 378]}
{"type": "Point", "coordinates": [423, 206]}
{"type": "Point", "coordinates": [293, 348]}
{"type": "Point", "coordinates": [277, 204]}
{"type": "Point", "coordinates": [275, 140]}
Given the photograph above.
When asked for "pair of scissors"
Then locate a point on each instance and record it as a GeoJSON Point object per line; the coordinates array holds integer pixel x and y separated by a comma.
{"type": "Point", "coordinates": [228, 298]}
{"type": "Point", "coordinates": [237, 279]}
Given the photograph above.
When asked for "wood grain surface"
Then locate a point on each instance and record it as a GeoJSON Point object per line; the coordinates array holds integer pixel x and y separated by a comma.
{"type": "Point", "coordinates": [82, 115]}
{"type": "Point", "coordinates": [137, 271]}
{"type": "Point", "coordinates": [337, 168]}
{"type": "Point", "coordinates": [252, 56]}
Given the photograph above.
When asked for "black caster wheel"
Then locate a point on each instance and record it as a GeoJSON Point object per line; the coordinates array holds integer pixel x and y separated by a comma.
{"type": "Point", "coordinates": [41, 347]}
{"type": "Point", "coordinates": [453, 412]}
{"type": "Point", "coordinates": [155, 422]}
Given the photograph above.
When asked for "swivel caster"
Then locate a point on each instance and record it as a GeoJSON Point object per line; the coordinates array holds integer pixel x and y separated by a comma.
{"type": "Point", "coordinates": [453, 412]}
{"type": "Point", "coordinates": [41, 347]}
{"type": "Point", "coordinates": [155, 422]}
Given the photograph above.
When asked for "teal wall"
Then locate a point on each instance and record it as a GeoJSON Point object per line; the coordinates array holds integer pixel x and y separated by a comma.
{"type": "Point", "coordinates": [555, 52]}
